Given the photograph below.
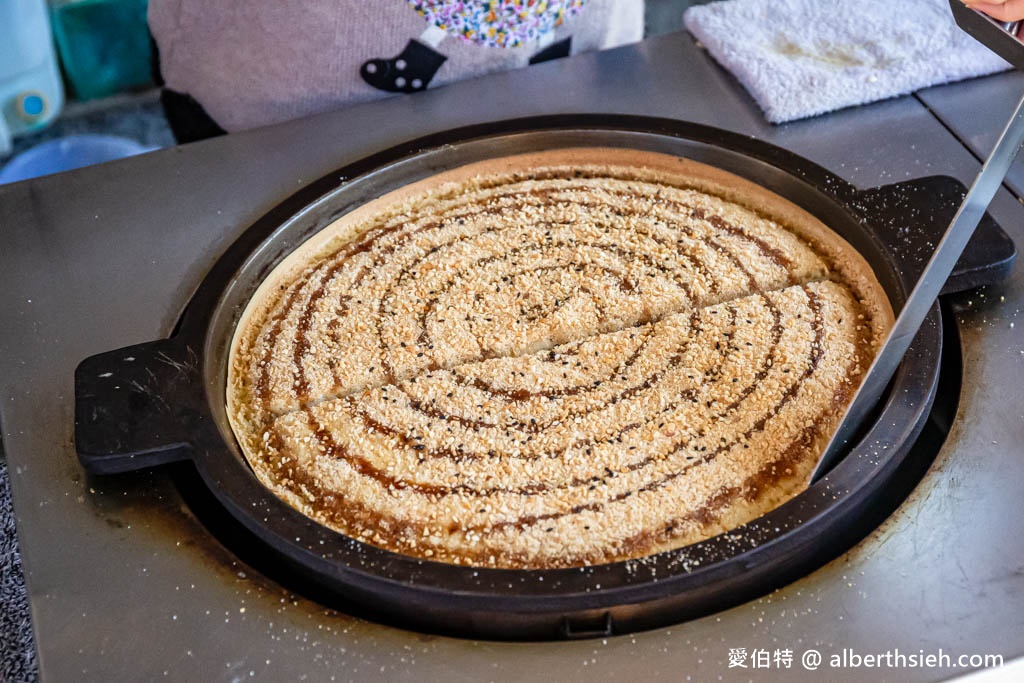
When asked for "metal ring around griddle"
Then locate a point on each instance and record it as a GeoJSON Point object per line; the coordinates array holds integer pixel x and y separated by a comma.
{"type": "Point", "coordinates": [532, 604]}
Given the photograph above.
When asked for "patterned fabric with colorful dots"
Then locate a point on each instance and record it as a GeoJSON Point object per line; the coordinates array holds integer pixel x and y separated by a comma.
{"type": "Point", "coordinates": [499, 23]}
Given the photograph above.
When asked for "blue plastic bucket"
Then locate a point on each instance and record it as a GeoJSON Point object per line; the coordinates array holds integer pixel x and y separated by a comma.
{"type": "Point", "coordinates": [64, 154]}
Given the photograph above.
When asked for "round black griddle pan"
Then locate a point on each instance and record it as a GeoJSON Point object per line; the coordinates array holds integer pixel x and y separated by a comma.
{"type": "Point", "coordinates": [163, 401]}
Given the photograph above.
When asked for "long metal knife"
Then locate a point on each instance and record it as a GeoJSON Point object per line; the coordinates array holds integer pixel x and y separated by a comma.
{"type": "Point", "coordinates": [926, 290]}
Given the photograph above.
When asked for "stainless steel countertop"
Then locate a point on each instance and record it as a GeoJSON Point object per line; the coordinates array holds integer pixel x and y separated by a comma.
{"type": "Point", "coordinates": [125, 585]}
{"type": "Point", "coordinates": [976, 112]}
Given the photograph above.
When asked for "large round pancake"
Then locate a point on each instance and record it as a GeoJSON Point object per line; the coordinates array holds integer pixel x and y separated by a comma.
{"type": "Point", "coordinates": [771, 245]}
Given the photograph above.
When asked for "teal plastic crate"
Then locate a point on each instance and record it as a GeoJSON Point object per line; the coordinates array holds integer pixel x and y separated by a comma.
{"type": "Point", "coordinates": [104, 45]}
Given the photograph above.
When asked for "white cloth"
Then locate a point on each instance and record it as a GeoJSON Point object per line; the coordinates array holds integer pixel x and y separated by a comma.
{"type": "Point", "coordinates": [255, 62]}
{"type": "Point", "coordinates": [800, 58]}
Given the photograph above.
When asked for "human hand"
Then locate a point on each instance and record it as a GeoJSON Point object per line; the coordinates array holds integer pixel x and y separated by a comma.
{"type": "Point", "coordinates": [1003, 10]}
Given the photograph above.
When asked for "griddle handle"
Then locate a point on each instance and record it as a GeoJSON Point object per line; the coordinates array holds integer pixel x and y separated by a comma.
{"type": "Point", "coordinates": [911, 216]}
{"type": "Point", "coordinates": [134, 407]}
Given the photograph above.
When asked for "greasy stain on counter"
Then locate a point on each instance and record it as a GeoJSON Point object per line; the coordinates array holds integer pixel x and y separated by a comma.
{"type": "Point", "coordinates": [833, 54]}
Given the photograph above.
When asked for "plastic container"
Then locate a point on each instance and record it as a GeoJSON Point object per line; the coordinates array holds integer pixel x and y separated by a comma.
{"type": "Point", "coordinates": [104, 45]}
{"type": "Point", "coordinates": [31, 94]}
{"type": "Point", "coordinates": [64, 154]}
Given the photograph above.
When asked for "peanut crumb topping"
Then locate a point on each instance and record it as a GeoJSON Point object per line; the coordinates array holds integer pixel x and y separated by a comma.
{"type": "Point", "coordinates": [553, 360]}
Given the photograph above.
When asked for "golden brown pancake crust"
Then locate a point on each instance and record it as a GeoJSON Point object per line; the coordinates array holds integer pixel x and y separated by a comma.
{"type": "Point", "coordinates": [555, 359]}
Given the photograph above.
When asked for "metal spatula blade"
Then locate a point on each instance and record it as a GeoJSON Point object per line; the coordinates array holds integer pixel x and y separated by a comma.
{"type": "Point", "coordinates": [928, 286]}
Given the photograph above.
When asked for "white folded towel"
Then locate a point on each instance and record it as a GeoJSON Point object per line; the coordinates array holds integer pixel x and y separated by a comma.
{"type": "Point", "coordinates": [800, 58]}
